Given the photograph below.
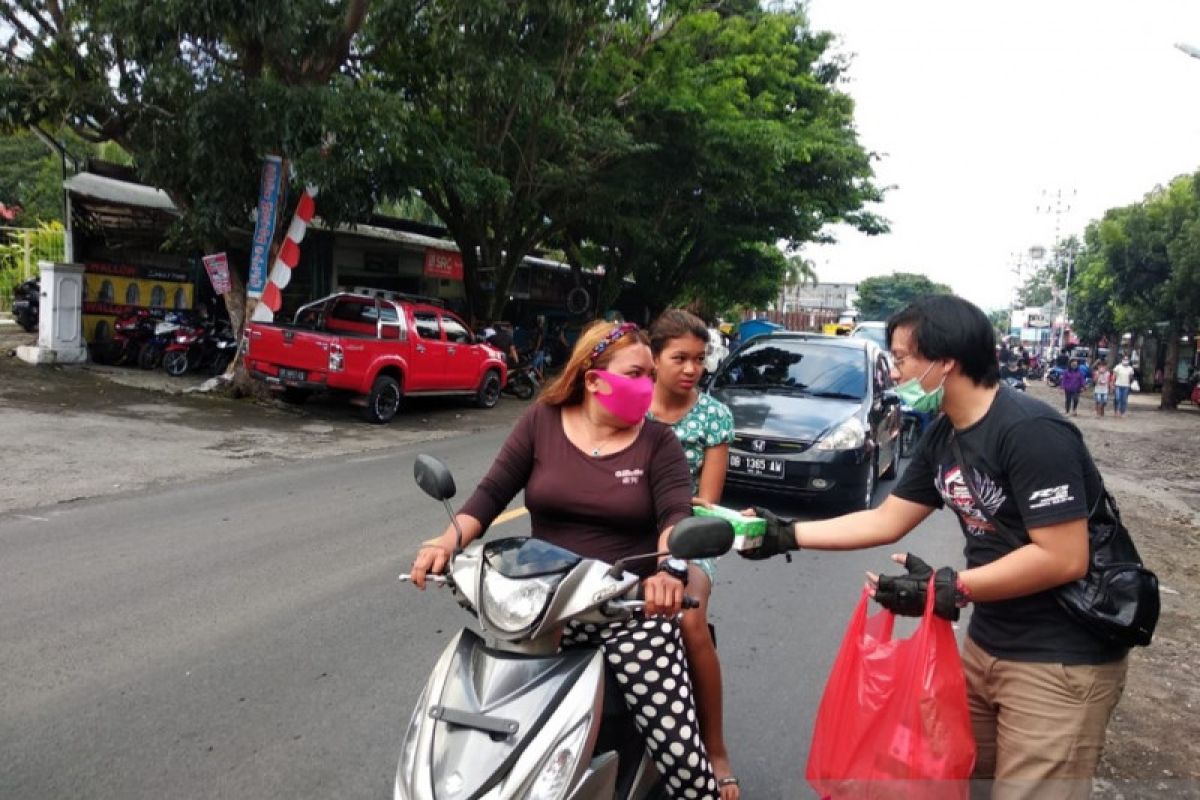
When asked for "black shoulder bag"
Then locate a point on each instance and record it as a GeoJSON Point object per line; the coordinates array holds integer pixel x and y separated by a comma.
{"type": "Point", "coordinates": [1117, 601]}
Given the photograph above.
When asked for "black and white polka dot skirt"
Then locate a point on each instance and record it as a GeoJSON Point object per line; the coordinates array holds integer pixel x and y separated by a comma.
{"type": "Point", "coordinates": [648, 661]}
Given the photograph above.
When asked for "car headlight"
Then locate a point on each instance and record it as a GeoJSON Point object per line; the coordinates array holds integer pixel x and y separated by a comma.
{"type": "Point", "coordinates": [554, 775]}
{"type": "Point", "coordinates": [850, 435]}
{"type": "Point", "coordinates": [511, 605]}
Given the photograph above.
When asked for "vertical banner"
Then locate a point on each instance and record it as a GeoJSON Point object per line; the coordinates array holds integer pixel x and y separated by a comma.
{"type": "Point", "coordinates": [217, 267]}
{"type": "Point", "coordinates": [264, 228]}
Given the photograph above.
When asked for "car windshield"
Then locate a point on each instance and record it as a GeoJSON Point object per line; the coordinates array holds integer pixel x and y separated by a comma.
{"type": "Point", "coordinates": [802, 367]}
{"type": "Point", "coordinates": [878, 335]}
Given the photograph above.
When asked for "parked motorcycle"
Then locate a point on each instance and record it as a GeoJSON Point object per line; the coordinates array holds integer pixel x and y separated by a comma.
{"type": "Point", "coordinates": [131, 330]}
{"type": "Point", "coordinates": [207, 345]}
{"type": "Point", "coordinates": [1054, 376]}
{"type": "Point", "coordinates": [26, 300]}
{"type": "Point", "coordinates": [522, 381]}
{"type": "Point", "coordinates": [513, 716]}
{"type": "Point", "coordinates": [150, 354]}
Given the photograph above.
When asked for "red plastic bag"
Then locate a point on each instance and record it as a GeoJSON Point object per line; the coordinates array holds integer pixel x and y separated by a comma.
{"type": "Point", "coordinates": [893, 722]}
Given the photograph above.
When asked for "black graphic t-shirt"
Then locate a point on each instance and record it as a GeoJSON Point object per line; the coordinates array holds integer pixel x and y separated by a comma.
{"type": "Point", "coordinates": [1030, 467]}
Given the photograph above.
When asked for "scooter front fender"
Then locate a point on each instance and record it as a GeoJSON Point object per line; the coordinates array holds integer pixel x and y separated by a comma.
{"type": "Point", "coordinates": [490, 721]}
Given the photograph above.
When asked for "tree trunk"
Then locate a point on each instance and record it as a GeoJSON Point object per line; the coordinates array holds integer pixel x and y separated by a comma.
{"type": "Point", "coordinates": [1169, 401]}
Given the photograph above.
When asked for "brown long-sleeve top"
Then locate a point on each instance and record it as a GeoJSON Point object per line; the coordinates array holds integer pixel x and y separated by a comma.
{"type": "Point", "coordinates": [605, 507]}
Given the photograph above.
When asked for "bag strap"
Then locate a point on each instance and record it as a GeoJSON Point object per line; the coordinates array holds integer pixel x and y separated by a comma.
{"type": "Point", "coordinates": [1013, 538]}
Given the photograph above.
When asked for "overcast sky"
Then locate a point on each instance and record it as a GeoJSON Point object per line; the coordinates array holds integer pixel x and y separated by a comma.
{"type": "Point", "coordinates": [981, 112]}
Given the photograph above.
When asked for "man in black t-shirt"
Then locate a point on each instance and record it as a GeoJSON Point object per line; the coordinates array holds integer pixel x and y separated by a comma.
{"type": "Point", "coordinates": [1041, 688]}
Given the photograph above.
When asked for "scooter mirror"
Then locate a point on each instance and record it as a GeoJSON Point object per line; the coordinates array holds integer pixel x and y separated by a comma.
{"type": "Point", "coordinates": [433, 477]}
{"type": "Point", "coordinates": [700, 537]}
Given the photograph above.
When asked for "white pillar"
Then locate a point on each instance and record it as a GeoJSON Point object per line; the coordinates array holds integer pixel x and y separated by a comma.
{"type": "Point", "coordinates": [60, 317]}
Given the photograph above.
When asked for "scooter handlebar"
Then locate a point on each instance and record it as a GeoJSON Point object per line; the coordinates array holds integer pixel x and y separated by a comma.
{"type": "Point", "coordinates": [437, 580]}
{"type": "Point", "coordinates": [638, 605]}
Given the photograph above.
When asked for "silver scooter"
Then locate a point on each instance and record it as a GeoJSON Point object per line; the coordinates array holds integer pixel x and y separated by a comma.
{"type": "Point", "coordinates": [511, 715]}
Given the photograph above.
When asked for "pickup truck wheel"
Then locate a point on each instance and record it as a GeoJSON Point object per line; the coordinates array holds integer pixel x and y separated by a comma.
{"type": "Point", "coordinates": [489, 390]}
{"type": "Point", "coordinates": [384, 400]}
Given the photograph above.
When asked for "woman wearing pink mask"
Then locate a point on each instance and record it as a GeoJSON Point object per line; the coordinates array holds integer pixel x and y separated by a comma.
{"type": "Point", "coordinates": [604, 482]}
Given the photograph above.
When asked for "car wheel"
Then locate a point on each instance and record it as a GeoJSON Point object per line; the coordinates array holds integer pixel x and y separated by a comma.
{"type": "Point", "coordinates": [893, 467]}
{"type": "Point", "coordinates": [489, 390]}
{"type": "Point", "coordinates": [861, 499]}
{"type": "Point", "coordinates": [384, 400]}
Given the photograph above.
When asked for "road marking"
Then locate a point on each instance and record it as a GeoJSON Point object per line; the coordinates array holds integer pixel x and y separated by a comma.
{"type": "Point", "coordinates": [37, 519]}
{"type": "Point", "coordinates": [510, 515]}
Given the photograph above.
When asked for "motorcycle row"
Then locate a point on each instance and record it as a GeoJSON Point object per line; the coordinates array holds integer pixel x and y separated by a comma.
{"type": "Point", "coordinates": [178, 341]}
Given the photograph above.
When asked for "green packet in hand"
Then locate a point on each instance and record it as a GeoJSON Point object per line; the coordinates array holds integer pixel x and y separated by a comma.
{"type": "Point", "coordinates": [747, 531]}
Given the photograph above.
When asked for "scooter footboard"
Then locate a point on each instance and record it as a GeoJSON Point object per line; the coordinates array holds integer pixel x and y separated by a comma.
{"type": "Point", "coordinates": [493, 723]}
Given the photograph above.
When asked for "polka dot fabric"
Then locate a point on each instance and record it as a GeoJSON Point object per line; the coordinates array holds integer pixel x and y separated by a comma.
{"type": "Point", "coordinates": [647, 658]}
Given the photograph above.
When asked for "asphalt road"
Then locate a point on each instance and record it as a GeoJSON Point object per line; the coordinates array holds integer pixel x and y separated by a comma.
{"type": "Point", "coordinates": [248, 637]}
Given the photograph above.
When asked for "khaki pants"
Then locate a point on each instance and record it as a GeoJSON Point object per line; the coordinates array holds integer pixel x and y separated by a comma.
{"type": "Point", "coordinates": [1039, 728]}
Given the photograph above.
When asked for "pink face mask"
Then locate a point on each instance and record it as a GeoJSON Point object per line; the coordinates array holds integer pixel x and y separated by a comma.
{"type": "Point", "coordinates": [630, 397]}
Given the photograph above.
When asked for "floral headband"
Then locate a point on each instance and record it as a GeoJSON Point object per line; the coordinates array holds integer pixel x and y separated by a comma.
{"type": "Point", "coordinates": [609, 338]}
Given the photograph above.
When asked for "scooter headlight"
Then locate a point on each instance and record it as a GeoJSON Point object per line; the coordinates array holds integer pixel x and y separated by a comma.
{"type": "Point", "coordinates": [408, 749]}
{"type": "Point", "coordinates": [513, 605]}
{"type": "Point", "coordinates": [554, 775]}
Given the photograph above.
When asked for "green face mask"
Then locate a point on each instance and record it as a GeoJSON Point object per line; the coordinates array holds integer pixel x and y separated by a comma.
{"type": "Point", "coordinates": [913, 395]}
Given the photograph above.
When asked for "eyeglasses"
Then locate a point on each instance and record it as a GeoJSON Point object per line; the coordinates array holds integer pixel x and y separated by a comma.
{"type": "Point", "coordinates": [899, 360]}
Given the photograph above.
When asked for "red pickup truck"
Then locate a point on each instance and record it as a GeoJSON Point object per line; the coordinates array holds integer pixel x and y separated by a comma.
{"type": "Point", "coordinates": [379, 349]}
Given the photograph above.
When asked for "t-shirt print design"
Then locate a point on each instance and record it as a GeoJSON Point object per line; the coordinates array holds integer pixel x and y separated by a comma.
{"type": "Point", "coordinates": [957, 495]}
{"type": "Point", "coordinates": [629, 477]}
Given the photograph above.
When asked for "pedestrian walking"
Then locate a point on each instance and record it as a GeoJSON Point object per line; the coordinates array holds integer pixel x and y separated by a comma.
{"type": "Point", "coordinates": [1040, 686]}
{"type": "Point", "coordinates": [1101, 379]}
{"type": "Point", "coordinates": [1122, 380]}
{"type": "Point", "coordinates": [1073, 382]}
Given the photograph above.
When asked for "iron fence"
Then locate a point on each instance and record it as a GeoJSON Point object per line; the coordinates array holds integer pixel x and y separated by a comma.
{"type": "Point", "coordinates": [20, 251]}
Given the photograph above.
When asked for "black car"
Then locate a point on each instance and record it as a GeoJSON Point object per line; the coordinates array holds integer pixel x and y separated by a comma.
{"type": "Point", "coordinates": [812, 415]}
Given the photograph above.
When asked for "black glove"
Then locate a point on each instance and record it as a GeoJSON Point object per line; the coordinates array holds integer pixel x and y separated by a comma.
{"type": "Point", "coordinates": [779, 538]}
{"type": "Point", "coordinates": [905, 594]}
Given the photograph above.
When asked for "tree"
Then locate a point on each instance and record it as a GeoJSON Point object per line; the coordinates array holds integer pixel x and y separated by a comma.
{"type": "Point", "coordinates": [884, 295]}
{"type": "Point", "coordinates": [798, 272]}
{"type": "Point", "coordinates": [1150, 252]}
{"type": "Point", "coordinates": [196, 93]}
{"type": "Point", "coordinates": [743, 141]}
{"type": "Point", "coordinates": [509, 112]}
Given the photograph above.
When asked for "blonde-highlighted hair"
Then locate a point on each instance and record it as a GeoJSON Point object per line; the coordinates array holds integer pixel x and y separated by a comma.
{"type": "Point", "coordinates": [567, 389]}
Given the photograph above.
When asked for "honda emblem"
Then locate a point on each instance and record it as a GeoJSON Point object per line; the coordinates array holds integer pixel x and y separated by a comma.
{"type": "Point", "coordinates": [759, 445]}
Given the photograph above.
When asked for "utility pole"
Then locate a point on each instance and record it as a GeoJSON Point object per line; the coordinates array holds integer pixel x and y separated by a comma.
{"type": "Point", "coordinates": [1059, 204]}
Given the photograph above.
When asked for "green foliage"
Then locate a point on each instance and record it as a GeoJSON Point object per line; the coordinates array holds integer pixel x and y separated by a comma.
{"type": "Point", "coordinates": [884, 295]}
{"type": "Point", "coordinates": [194, 92]}
{"type": "Point", "coordinates": [744, 142]}
{"type": "Point", "coordinates": [20, 251]}
{"type": "Point", "coordinates": [1141, 269]}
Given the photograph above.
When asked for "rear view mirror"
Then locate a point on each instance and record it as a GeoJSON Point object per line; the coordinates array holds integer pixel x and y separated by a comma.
{"type": "Point", "coordinates": [433, 477]}
{"type": "Point", "coordinates": [700, 537]}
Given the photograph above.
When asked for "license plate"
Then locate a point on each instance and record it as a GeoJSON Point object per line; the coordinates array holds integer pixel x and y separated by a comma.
{"type": "Point", "coordinates": [757, 465]}
{"type": "Point", "coordinates": [286, 374]}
